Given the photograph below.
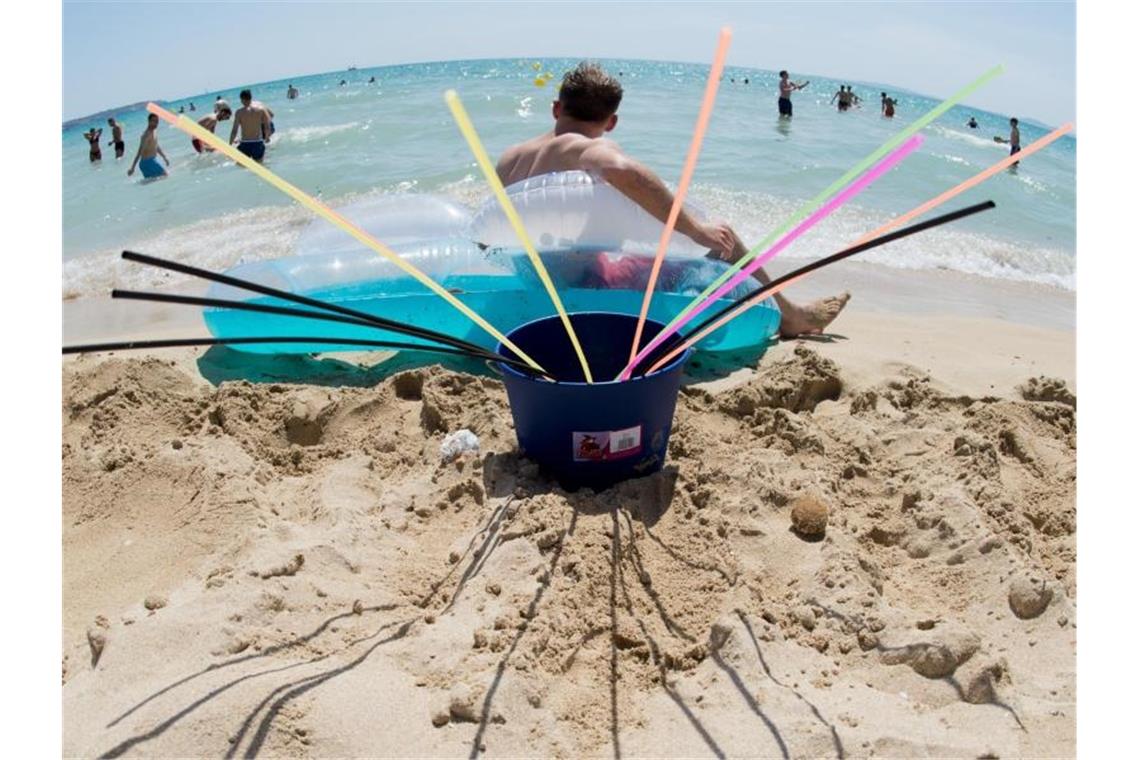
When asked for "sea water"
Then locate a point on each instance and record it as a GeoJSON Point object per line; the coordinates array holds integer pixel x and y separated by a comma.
{"type": "Point", "coordinates": [341, 143]}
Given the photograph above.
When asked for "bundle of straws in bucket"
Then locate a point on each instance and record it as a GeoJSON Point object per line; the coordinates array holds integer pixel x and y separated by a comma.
{"type": "Point", "coordinates": [592, 394]}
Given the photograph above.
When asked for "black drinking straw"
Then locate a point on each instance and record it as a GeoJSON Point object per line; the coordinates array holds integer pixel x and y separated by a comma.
{"type": "Point", "coordinates": [222, 303]}
{"type": "Point", "coordinates": [755, 295]}
{"type": "Point", "coordinates": [130, 345]}
{"type": "Point", "coordinates": [254, 287]}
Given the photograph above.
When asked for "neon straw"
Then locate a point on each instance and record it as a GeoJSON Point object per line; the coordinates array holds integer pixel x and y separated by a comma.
{"type": "Point", "coordinates": [929, 205]}
{"type": "Point", "coordinates": [851, 191]}
{"type": "Point", "coordinates": [736, 308]}
{"type": "Point", "coordinates": [881, 151]}
{"type": "Point", "coordinates": [686, 175]}
{"type": "Point", "coordinates": [484, 161]}
{"type": "Point", "coordinates": [131, 345]}
{"type": "Point", "coordinates": [223, 303]}
{"type": "Point", "coordinates": [208, 137]}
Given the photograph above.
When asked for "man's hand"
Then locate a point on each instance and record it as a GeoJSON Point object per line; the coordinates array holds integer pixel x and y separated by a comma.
{"type": "Point", "coordinates": [718, 237]}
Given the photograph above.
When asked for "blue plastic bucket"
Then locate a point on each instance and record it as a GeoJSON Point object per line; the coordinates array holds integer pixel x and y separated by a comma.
{"type": "Point", "coordinates": [591, 435]}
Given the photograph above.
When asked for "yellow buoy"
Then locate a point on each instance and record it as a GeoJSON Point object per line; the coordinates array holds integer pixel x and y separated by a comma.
{"type": "Point", "coordinates": [539, 82]}
{"type": "Point", "coordinates": [536, 66]}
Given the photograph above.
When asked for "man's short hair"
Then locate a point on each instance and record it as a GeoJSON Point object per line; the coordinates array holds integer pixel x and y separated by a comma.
{"type": "Point", "coordinates": [783, 72]}
{"type": "Point", "coordinates": [588, 93]}
{"type": "Point", "coordinates": [245, 95]}
{"type": "Point", "coordinates": [1013, 121]}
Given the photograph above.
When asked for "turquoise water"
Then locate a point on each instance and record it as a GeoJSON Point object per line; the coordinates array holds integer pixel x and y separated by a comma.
{"type": "Point", "coordinates": [397, 135]}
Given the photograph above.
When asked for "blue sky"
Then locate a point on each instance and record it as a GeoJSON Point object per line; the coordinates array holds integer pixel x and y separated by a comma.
{"type": "Point", "coordinates": [116, 53]}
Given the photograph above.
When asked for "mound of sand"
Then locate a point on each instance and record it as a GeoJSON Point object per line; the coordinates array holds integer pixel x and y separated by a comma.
{"type": "Point", "coordinates": [331, 588]}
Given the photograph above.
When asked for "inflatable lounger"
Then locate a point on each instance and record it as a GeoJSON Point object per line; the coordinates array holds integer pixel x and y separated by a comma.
{"type": "Point", "coordinates": [597, 245]}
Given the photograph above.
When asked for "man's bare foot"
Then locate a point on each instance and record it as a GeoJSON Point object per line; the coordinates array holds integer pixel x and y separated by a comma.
{"type": "Point", "coordinates": [810, 319]}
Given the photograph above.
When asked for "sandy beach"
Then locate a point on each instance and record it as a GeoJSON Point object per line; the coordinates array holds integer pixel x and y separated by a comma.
{"type": "Point", "coordinates": [286, 567]}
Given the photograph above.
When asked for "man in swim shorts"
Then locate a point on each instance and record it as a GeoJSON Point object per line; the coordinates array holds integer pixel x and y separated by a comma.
{"type": "Point", "coordinates": [92, 137]}
{"type": "Point", "coordinates": [787, 86]}
{"type": "Point", "coordinates": [253, 121]}
{"type": "Point", "coordinates": [844, 98]}
{"type": "Point", "coordinates": [1014, 139]}
{"type": "Point", "coordinates": [222, 112]}
{"type": "Point", "coordinates": [585, 111]}
{"type": "Point", "coordinates": [117, 137]}
{"type": "Point", "coordinates": [291, 93]}
{"type": "Point", "coordinates": [148, 149]}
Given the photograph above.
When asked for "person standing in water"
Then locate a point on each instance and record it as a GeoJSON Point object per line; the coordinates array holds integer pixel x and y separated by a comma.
{"type": "Point", "coordinates": [92, 137]}
{"type": "Point", "coordinates": [585, 111]}
{"type": "Point", "coordinates": [222, 112]}
{"type": "Point", "coordinates": [148, 148]}
{"type": "Point", "coordinates": [253, 121]}
{"type": "Point", "coordinates": [1014, 139]}
{"type": "Point", "coordinates": [291, 93]}
{"type": "Point", "coordinates": [972, 123]}
{"type": "Point", "coordinates": [787, 87]}
{"type": "Point", "coordinates": [844, 98]}
{"type": "Point", "coordinates": [117, 137]}
{"type": "Point", "coordinates": [888, 107]}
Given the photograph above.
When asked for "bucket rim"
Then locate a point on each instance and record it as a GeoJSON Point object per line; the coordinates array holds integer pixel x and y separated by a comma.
{"type": "Point", "coordinates": [508, 369]}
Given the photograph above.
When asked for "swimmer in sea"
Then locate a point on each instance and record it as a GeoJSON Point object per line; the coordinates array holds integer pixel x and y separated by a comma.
{"type": "Point", "coordinates": [889, 108]}
{"type": "Point", "coordinates": [972, 123]}
{"type": "Point", "coordinates": [92, 136]}
{"type": "Point", "coordinates": [192, 108]}
{"type": "Point", "coordinates": [148, 149]}
{"type": "Point", "coordinates": [117, 137]}
{"type": "Point", "coordinates": [291, 93]}
{"type": "Point", "coordinates": [585, 111]}
{"type": "Point", "coordinates": [222, 112]}
{"type": "Point", "coordinates": [253, 121]}
{"type": "Point", "coordinates": [787, 87]}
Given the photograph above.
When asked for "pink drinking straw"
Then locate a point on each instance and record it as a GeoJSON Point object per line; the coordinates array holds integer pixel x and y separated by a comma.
{"type": "Point", "coordinates": [847, 194]}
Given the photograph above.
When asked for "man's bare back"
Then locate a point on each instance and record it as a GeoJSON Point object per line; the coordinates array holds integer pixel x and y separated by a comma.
{"type": "Point", "coordinates": [552, 153]}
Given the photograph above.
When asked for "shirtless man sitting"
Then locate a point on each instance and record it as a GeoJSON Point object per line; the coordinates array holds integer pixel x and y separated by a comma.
{"type": "Point", "coordinates": [585, 111]}
{"type": "Point", "coordinates": [253, 121]}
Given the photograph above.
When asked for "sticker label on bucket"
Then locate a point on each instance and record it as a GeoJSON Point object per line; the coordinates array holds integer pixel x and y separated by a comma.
{"type": "Point", "coordinates": [604, 445]}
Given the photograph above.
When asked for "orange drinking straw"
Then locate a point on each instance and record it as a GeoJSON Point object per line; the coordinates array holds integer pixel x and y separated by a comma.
{"type": "Point", "coordinates": [933, 203]}
{"type": "Point", "coordinates": [686, 175]}
{"type": "Point", "coordinates": [196, 130]}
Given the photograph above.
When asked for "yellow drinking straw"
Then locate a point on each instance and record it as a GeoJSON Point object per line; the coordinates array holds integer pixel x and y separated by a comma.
{"type": "Point", "coordinates": [895, 223]}
{"type": "Point", "coordinates": [686, 176]}
{"type": "Point", "coordinates": [208, 137]}
{"type": "Point", "coordinates": [468, 130]}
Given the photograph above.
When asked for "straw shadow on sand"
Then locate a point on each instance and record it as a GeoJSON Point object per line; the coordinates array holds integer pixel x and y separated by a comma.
{"type": "Point", "coordinates": [302, 684]}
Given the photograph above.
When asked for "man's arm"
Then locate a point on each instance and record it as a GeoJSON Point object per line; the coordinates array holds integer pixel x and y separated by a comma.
{"type": "Point", "coordinates": [158, 149]}
{"type": "Point", "coordinates": [802, 85]}
{"type": "Point", "coordinates": [644, 188]}
{"type": "Point", "coordinates": [234, 129]}
{"type": "Point", "coordinates": [138, 153]}
{"type": "Point", "coordinates": [265, 124]}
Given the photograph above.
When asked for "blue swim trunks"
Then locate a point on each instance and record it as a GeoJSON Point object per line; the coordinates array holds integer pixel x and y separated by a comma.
{"type": "Point", "coordinates": [255, 149]}
{"type": "Point", "coordinates": [151, 168]}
